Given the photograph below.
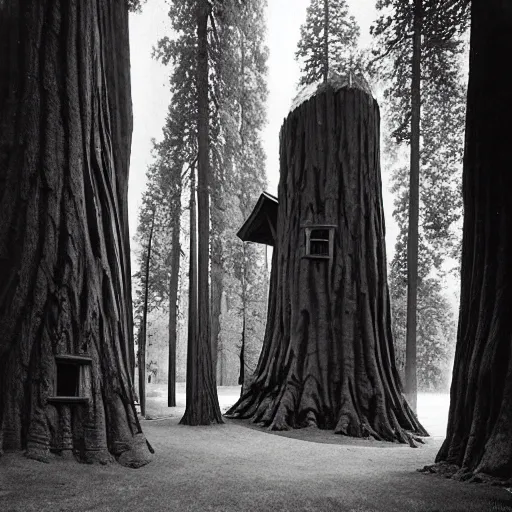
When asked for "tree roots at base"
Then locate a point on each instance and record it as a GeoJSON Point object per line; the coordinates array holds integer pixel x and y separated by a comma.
{"type": "Point", "coordinates": [455, 472]}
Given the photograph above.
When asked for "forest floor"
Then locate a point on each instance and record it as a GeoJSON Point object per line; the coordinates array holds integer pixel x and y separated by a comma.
{"type": "Point", "coordinates": [235, 467]}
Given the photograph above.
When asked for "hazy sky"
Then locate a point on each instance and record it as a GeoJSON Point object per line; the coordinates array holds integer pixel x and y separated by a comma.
{"type": "Point", "coordinates": [150, 91]}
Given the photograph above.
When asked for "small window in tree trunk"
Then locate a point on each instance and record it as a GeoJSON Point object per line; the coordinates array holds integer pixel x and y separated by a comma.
{"type": "Point", "coordinates": [319, 241]}
{"type": "Point", "coordinates": [72, 375]}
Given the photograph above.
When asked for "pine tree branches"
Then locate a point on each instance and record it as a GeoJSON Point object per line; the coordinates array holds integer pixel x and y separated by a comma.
{"type": "Point", "coordinates": [328, 41]}
{"type": "Point", "coordinates": [441, 91]}
{"type": "Point", "coordinates": [236, 115]}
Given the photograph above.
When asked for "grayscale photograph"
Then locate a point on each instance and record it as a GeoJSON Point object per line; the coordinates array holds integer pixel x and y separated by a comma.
{"type": "Point", "coordinates": [255, 256]}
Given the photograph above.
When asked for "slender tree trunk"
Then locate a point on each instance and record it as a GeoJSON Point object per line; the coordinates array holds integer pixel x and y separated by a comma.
{"type": "Point", "coordinates": [266, 272]}
{"type": "Point", "coordinates": [221, 368]}
{"type": "Point", "coordinates": [142, 366]}
{"type": "Point", "coordinates": [65, 280]}
{"type": "Point", "coordinates": [327, 357]}
{"type": "Point", "coordinates": [217, 254]}
{"type": "Point", "coordinates": [241, 131]}
{"type": "Point", "coordinates": [139, 344]}
{"type": "Point", "coordinates": [241, 375]}
{"type": "Point", "coordinates": [217, 274]}
{"type": "Point", "coordinates": [144, 323]}
{"type": "Point", "coordinates": [244, 200]}
{"type": "Point", "coordinates": [192, 287]}
{"type": "Point", "coordinates": [326, 41]}
{"type": "Point", "coordinates": [202, 401]}
{"type": "Point", "coordinates": [414, 194]}
{"type": "Point", "coordinates": [173, 302]}
{"type": "Point", "coordinates": [479, 433]}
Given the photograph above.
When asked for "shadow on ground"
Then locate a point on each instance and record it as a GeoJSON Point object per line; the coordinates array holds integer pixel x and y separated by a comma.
{"type": "Point", "coordinates": [316, 435]}
{"type": "Point", "coordinates": [233, 468]}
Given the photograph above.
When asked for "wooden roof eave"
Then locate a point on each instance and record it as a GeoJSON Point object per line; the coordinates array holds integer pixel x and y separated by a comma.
{"type": "Point", "coordinates": [260, 226]}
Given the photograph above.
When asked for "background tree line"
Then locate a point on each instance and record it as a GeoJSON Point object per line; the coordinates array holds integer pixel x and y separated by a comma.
{"type": "Point", "coordinates": [236, 96]}
{"type": "Point", "coordinates": [238, 272]}
{"type": "Point", "coordinates": [418, 58]}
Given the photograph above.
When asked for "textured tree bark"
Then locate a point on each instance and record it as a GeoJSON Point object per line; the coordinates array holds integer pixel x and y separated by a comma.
{"type": "Point", "coordinates": [173, 303]}
{"type": "Point", "coordinates": [479, 434]}
{"type": "Point", "coordinates": [327, 357]}
{"type": "Point", "coordinates": [65, 136]}
{"type": "Point", "coordinates": [411, 381]}
{"type": "Point", "coordinates": [202, 406]}
{"type": "Point", "coordinates": [192, 286]}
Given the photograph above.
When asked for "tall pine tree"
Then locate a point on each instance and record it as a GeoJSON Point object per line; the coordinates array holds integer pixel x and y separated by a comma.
{"type": "Point", "coordinates": [417, 56]}
{"type": "Point", "coordinates": [328, 41]}
{"type": "Point", "coordinates": [237, 92]}
{"type": "Point", "coordinates": [238, 163]}
{"type": "Point", "coordinates": [436, 324]}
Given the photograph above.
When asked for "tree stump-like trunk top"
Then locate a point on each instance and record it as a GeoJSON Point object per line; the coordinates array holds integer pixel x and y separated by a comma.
{"type": "Point", "coordinates": [328, 358]}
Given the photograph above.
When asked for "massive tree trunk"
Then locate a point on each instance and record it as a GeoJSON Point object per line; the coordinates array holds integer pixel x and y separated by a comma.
{"type": "Point", "coordinates": [202, 401]}
{"type": "Point", "coordinates": [327, 358]}
{"type": "Point", "coordinates": [411, 381]}
{"type": "Point", "coordinates": [66, 344]}
{"type": "Point", "coordinates": [479, 434]}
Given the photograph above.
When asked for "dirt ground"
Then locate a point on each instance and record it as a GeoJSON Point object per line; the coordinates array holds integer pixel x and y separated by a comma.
{"type": "Point", "coordinates": [237, 468]}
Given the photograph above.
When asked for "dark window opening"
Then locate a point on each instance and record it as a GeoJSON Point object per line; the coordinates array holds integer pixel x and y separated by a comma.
{"type": "Point", "coordinates": [67, 379]}
{"type": "Point", "coordinates": [319, 248]}
{"type": "Point", "coordinates": [319, 241]}
{"type": "Point", "coordinates": [320, 234]}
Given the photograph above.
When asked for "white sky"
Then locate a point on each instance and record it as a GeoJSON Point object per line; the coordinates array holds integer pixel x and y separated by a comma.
{"type": "Point", "coordinates": [150, 91]}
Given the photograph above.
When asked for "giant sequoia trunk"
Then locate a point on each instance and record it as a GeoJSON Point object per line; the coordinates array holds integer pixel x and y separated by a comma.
{"type": "Point", "coordinates": [327, 357]}
{"type": "Point", "coordinates": [66, 343]}
{"type": "Point", "coordinates": [479, 434]}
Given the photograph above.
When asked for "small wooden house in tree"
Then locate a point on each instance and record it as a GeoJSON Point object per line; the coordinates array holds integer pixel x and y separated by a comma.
{"type": "Point", "coordinates": [327, 357]}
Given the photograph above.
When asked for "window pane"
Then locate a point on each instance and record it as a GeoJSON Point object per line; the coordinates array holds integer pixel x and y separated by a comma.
{"type": "Point", "coordinates": [319, 248]}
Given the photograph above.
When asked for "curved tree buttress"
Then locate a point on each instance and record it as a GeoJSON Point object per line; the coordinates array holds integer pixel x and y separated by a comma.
{"type": "Point", "coordinates": [66, 342]}
{"type": "Point", "coordinates": [327, 358]}
{"type": "Point", "coordinates": [479, 433]}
